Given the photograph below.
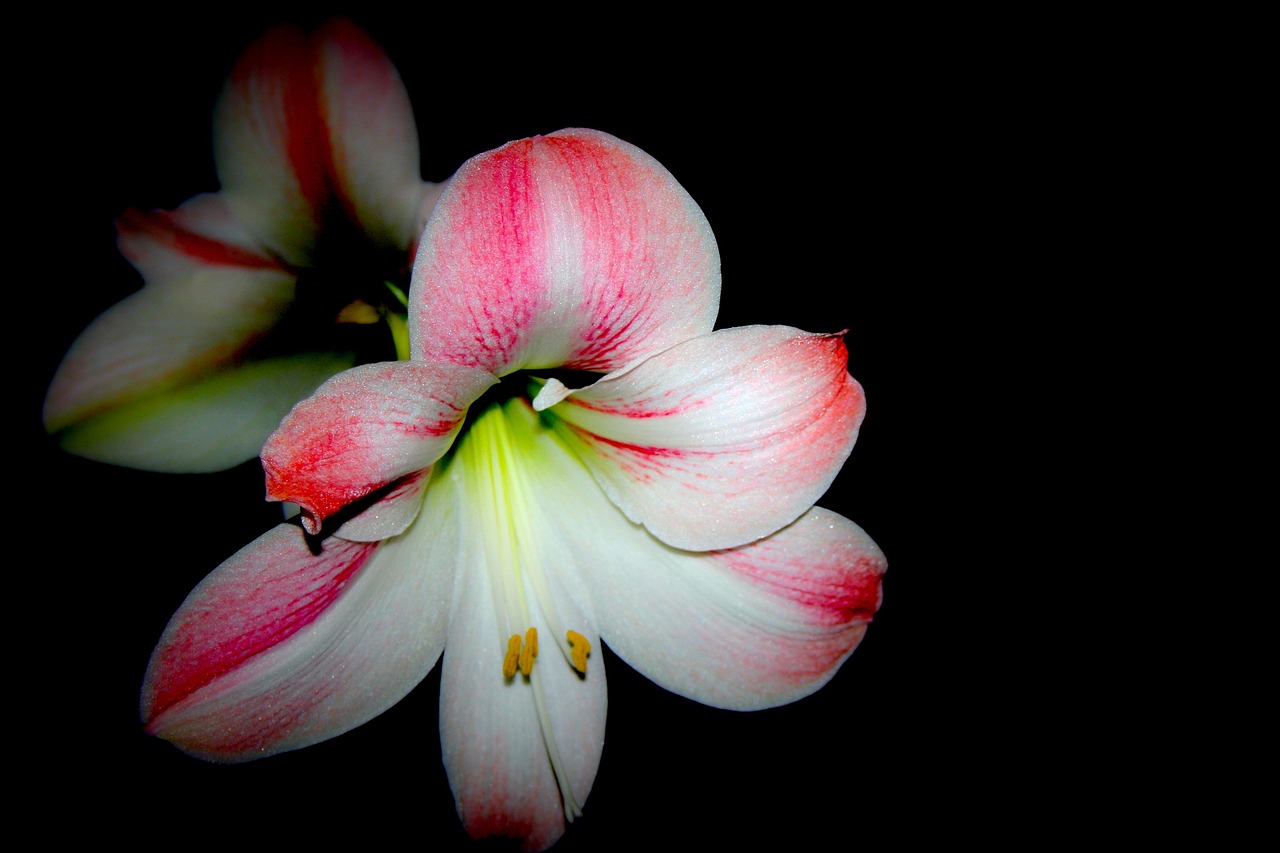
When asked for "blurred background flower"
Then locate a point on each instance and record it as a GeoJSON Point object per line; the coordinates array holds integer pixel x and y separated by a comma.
{"type": "Point", "coordinates": [255, 294]}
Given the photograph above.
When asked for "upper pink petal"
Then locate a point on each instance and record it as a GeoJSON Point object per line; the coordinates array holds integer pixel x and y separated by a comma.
{"type": "Point", "coordinates": [289, 643]}
{"type": "Point", "coordinates": [722, 439]}
{"type": "Point", "coordinates": [316, 129]}
{"type": "Point", "coordinates": [364, 430]}
{"type": "Point", "coordinates": [574, 249]}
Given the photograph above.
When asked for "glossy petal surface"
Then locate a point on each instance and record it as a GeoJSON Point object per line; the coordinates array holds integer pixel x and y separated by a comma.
{"type": "Point", "coordinates": [721, 439]}
{"type": "Point", "coordinates": [570, 250]}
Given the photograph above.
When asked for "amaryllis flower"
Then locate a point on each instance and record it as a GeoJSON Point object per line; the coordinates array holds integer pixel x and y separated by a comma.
{"type": "Point", "coordinates": [571, 455]}
{"type": "Point", "coordinates": [257, 293]}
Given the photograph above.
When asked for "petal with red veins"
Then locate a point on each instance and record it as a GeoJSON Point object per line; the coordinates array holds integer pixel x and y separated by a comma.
{"type": "Point", "coordinates": [282, 646]}
{"type": "Point", "coordinates": [364, 430]}
{"type": "Point", "coordinates": [722, 439]}
{"type": "Point", "coordinates": [292, 145]}
{"type": "Point", "coordinates": [571, 250]}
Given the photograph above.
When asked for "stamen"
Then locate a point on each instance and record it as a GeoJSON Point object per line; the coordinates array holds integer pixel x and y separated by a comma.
{"type": "Point", "coordinates": [580, 647]}
{"type": "Point", "coordinates": [513, 655]}
{"type": "Point", "coordinates": [529, 651]}
{"type": "Point", "coordinates": [360, 312]}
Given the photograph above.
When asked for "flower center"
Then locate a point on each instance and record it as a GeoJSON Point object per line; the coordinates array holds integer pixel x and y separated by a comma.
{"type": "Point", "coordinates": [494, 453]}
{"type": "Point", "coordinates": [351, 299]}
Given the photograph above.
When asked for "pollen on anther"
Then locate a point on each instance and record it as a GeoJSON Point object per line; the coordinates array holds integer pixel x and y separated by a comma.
{"type": "Point", "coordinates": [360, 312]}
{"type": "Point", "coordinates": [512, 658]}
{"type": "Point", "coordinates": [529, 651]}
{"type": "Point", "coordinates": [579, 648]}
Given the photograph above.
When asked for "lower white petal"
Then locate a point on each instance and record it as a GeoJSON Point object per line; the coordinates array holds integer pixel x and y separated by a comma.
{"type": "Point", "coordinates": [521, 749]}
{"type": "Point", "coordinates": [747, 628]}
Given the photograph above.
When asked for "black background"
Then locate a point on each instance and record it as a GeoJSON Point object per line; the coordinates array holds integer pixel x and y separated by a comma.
{"type": "Point", "coordinates": [834, 164]}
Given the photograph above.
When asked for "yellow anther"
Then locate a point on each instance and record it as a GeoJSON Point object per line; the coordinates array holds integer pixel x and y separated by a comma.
{"type": "Point", "coordinates": [359, 312]}
{"type": "Point", "coordinates": [579, 647]}
{"type": "Point", "coordinates": [513, 656]}
{"type": "Point", "coordinates": [529, 651]}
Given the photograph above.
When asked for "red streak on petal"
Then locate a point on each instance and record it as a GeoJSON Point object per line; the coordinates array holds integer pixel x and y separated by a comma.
{"type": "Point", "coordinates": [286, 65]}
{"type": "Point", "coordinates": [246, 620]}
{"type": "Point", "coordinates": [501, 825]}
{"type": "Point", "coordinates": [834, 594]}
{"type": "Point", "coordinates": [640, 409]}
{"type": "Point", "coordinates": [646, 450]}
{"type": "Point", "coordinates": [162, 226]}
{"type": "Point", "coordinates": [306, 132]}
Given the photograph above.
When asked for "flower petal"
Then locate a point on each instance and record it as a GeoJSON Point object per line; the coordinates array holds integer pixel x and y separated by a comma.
{"type": "Point", "coordinates": [205, 301]}
{"type": "Point", "coordinates": [389, 515]}
{"type": "Point", "coordinates": [293, 147]}
{"type": "Point", "coordinates": [365, 429]}
{"type": "Point", "coordinates": [722, 439]}
{"type": "Point", "coordinates": [280, 647]}
{"type": "Point", "coordinates": [215, 422]}
{"type": "Point", "coordinates": [378, 174]}
{"type": "Point", "coordinates": [574, 249]}
{"type": "Point", "coordinates": [209, 297]}
{"type": "Point", "coordinates": [202, 232]}
{"type": "Point", "coordinates": [521, 752]}
{"type": "Point", "coordinates": [744, 629]}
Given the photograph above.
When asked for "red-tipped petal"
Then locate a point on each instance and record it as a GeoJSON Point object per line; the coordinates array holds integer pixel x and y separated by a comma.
{"type": "Point", "coordinates": [364, 430]}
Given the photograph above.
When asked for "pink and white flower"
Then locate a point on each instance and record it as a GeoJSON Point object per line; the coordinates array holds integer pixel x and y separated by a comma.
{"type": "Point", "coordinates": [255, 294]}
{"type": "Point", "coordinates": [469, 502]}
